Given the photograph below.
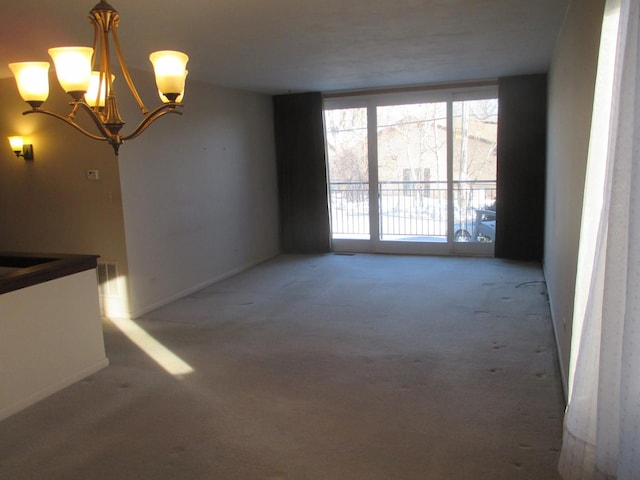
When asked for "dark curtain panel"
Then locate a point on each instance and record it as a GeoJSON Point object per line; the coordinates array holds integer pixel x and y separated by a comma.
{"type": "Point", "coordinates": [520, 206]}
{"type": "Point", "coordinates": [302, 173]}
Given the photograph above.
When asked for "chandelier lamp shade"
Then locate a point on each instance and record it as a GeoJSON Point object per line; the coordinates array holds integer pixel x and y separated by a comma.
{"type": "Point", "coordinates": [86, 74]}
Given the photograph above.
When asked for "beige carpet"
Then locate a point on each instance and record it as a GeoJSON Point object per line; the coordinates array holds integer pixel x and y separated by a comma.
{"type": "Point", "coordinates": [319, 367]}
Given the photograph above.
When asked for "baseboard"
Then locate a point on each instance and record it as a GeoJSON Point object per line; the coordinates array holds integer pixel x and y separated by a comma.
{"type": "Point", "coordinates": [563, 372]}
{"type": "Point", "coordinates": [53, 388]}
{"type": "Point", "coordinates": [177, 296]}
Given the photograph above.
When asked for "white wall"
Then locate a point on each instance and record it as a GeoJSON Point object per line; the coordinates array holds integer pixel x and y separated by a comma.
{"type": "Point", "coordinates": [51, 338]}
{"type": "Point", "coordinates": [571, 87]}
{"type": "Point", "coordinates": [199, 194]}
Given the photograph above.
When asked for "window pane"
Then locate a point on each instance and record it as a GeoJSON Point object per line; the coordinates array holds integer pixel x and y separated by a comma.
{"type": "Point", "coordinates": [475, 125]}
{"type": "Point", "coordinates": [346, 136]}
{"type": "Point", "coordinates": [412, 172]}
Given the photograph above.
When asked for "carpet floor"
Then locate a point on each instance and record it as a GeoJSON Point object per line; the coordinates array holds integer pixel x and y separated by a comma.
{"type": "Point", "coordinates": [340, 367]}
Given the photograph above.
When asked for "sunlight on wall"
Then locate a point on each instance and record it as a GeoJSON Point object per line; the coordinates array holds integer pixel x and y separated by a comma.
{"type": "Point", "coordinates": [149, 345]}
{"type": "Point", "coordinates": [113, 291]}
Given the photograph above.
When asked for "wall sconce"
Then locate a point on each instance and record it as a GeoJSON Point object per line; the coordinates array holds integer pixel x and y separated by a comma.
{"type": "Point", "coordinates": [20, 148]}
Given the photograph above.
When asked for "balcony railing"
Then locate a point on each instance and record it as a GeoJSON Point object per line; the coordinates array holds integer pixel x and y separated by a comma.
{"type": "Point", "coordinates": [408, 209]}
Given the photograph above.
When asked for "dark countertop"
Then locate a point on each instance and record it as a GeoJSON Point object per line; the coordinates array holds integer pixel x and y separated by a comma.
{"type": "Point", "coordinates": [20, 270]}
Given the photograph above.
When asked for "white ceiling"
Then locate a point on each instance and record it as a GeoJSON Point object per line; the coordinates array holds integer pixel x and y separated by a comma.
{"type": "Point", "coordinates": [276, 46]}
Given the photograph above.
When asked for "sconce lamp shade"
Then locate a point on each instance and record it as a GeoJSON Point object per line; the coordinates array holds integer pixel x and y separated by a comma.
{"type": "Point", "coordinates": [73, 67]}
{"type": "Point", "coordinates": [32, 79]}
{"type": "Point", "coordinates": [170, 69]}
{"type": "Point", "coordinates": [20, 148]}
{"type": "Point", "coordinates": [16, 143]}
{"type": "Point", "coordinates": [97, 92]}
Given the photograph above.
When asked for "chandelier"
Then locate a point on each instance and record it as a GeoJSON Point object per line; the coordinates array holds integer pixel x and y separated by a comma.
{"type": "Point", "coordinates": [86, 75]}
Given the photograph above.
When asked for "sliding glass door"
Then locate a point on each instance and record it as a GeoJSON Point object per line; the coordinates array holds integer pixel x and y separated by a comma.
{"type": "Point", "coordinates": [412, 172]}
{"type": "Point", "coordinates": [347, 145]}
{"type": "Point", "coordinates": [475, 132]}
{"type": "Point", "coordinates": [413, 175]}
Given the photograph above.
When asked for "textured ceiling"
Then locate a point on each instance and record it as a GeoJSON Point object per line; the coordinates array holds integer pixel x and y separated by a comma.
{"type": "Point", "coordinates": [277, 46]}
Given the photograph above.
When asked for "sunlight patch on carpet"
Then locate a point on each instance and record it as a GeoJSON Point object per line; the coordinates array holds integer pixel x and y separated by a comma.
{"type": "Point", "coordinates": [160, 354]}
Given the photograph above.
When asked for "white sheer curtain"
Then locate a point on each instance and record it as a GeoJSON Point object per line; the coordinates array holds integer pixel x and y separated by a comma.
{"type": "Point", "coordinates": [602, 423]}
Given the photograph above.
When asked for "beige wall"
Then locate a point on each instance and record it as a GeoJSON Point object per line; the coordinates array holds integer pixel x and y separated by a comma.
{"type": "Point", "coordinates": [199, 195]}
{"type": "Point", "coordinates": [192, 200]}
{"type": "Point", "coordinates": [48, 205]}
{"type": "Point", "coordinates": [571, 86]}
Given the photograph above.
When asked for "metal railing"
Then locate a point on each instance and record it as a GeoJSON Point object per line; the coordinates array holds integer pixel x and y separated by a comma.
{"type": "Point", "coordinates": [407, 208]}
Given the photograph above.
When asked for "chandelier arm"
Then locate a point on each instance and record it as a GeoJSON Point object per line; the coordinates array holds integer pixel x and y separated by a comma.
{"type": "Point", "coordinates": [151, 117]}
{"type": "Point", "coordinates": [67, 121]}
{"type": "Point", "coordinates": [105, 66]}
{"type": "Point", "coordinates": [106, 133]}
{"type": "Point", "coordinates": [125, 73]}
{"type": "Point", "coordinates": [72, 113]}
{"type": "Point", "coordinates": [95, 43]}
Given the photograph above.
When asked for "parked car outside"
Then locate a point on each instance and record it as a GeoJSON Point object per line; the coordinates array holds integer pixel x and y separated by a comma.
{"type": "Point", "coordinates": [483, 228]}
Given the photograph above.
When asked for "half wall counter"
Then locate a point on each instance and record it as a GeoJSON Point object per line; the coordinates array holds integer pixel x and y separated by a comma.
{"type": "Point", "coordinates": [50, 326]}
